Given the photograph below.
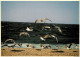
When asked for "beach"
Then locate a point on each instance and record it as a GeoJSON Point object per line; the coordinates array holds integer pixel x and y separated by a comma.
{"type": "Point", "coordinates": [38, 52]}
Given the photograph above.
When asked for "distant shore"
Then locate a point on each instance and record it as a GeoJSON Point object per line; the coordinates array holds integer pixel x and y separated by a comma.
{"type": "Point", "coordinates": [38, 52]}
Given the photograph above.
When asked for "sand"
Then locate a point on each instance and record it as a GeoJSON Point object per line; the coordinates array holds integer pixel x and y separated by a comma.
{"type": "Point", "coordinates": [38, 52]}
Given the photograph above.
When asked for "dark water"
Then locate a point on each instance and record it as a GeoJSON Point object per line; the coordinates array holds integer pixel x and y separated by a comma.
{"type": "Point", "coordinates": [11, 30]}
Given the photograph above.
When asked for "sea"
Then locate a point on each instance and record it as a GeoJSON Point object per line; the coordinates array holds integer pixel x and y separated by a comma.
{"type": "Point", "coordinates": [11, 30]}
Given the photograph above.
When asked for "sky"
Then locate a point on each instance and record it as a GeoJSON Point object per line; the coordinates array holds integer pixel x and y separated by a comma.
{"type": "Point", "coordinates": [64, 12]}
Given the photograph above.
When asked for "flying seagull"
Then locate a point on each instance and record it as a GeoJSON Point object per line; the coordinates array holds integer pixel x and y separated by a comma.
{"type": "Point", "coordinates": [42, 20]}
{"type": "Point", "coordinates": [48, 36]}
{"type": "Point", "coordinates": [24, 33]}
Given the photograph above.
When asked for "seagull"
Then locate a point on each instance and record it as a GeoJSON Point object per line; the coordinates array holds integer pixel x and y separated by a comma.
{"type": "Point", "coordinates": [24, 33]}
{"type": "Point", "coordinates": [46, 19]}
{"type": "Point", "coordinates": [11, 41]}
{"type": "Point", "coordinates": [12, 46]}
{"type": "Point", "coordinates": [36, 21]}
{"type": "Point", "coordinates": [40, 45]}
{"type": "Point", "coordinates": [76, 47]}
{"type": "Point", "coordinates": [69, 47]}
{"type": "Point", "coordinates": [48, 27]}
{"type": "Point", "coordinates": [49, 46]}
{"type": "Point", "coordinates": [48, 36]}
{"type": "Point", "coordinates": [28, 29]}
{"type": "Point", "coordinates": [59, 29]}
{"type": "Point", "coordinates": [42, 38]}
{"type": "Point", "coordinates": [20, 44]}
{"type": "Point", "coordinates": [42, 20]}
{"type": "Point", "coordinates": [57, 47]}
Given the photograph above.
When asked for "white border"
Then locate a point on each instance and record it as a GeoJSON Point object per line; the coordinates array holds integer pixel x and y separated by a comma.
{"type": "Point", "coordinates": [37, 0]}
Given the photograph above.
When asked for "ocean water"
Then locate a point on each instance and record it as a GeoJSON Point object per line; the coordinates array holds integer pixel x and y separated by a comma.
{"type": "Point", "coordinates": [11, 30]}
{"type": "Point", "coordinates": [53, 46]}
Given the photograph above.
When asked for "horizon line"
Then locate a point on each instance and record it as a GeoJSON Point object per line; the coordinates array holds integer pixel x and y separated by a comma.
{"type": "Point", "coordinates": [39, 22]}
